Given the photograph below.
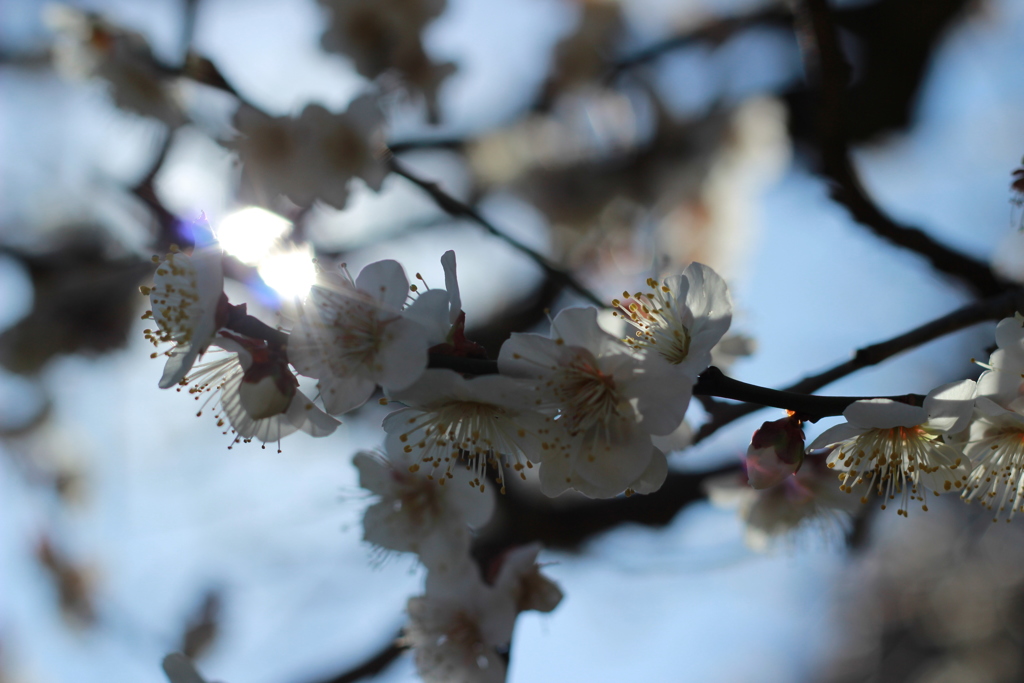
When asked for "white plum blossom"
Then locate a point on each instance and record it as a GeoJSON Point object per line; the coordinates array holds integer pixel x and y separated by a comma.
{"type": "Point", "coordinates": [519, 575]}
{"type": "Point", "coordinates": [269, 149]}
{"type": "Point", "coordinates": [461, 627]}
{"type": "Point", "coordinates": [312, 156]}
{"type": "Point", "coordinates": [996, 441]}
{"type": "Point", "coordinates": [605, 400]}
{"type": "Point", "coordinates": [188, 307]}
{"type": "Point", "coordinates": [88, 46]}
{"type": "Point", "coordinates": [429, 517]}
{"type": "Point", "coordinates": [1003, 381]}
{"type": "Point", "coordinates": [895, 448]}
{"type": "Point", "coordinates": [452, 423]}
{"type": "Point", "coordinates": [257, 392]}
{"type": "Point", "coordinates": [339, 147]}
{"type": "Point", "coordinates": [382, 36]}
{"type": "Point", "coordinates": [679, 322]}
{"type": "Point", "coordinates": [996, 450]}
{"type": "Point", "coordinates": [808, 498]}
{"type": "Point", "coordinates": [354, 335]}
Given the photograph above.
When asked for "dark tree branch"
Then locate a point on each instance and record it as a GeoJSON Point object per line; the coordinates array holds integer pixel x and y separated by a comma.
{"type": "Point", "coordinates": [715, 33]}
{"type": "Point", "coordinates": [993, 308]}
{"type": "Point", "coordinates": [400, 146]}
{"type": "Point", "coordinates": [713, 382]}
{"type": "Point", "coordinates": [459, 209]}
{"type": "Point", "coordinates": [828, 69]}
{"type": "Point", "coordinates": [374, 664]}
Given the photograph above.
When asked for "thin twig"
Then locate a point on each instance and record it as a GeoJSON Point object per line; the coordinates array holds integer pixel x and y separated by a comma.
{"type": "Point", "coordinates": [715, 32]}
{"type": "Point", "coordinates": [459, 209]}
{"type": "Point", "coordinates": [828, 68]}
{"type": "Point", "coordinates": [993, 308]}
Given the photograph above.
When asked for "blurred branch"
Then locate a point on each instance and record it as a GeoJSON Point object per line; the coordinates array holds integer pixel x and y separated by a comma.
{"type": "Point", "coordinates": [373, 665]}
{"type": "Point", "coordinates": [399, 146]}
{"type": "Point", "coordinates": [145, 191]}
{"type": "Point", "coordinates": [714, 32]}
{"type": "Point", "coordinates": [558, 523]}
{"type": "Point", "coordinates": [829, 70]}
{"type": "Point", "coordinates": [993, 308]}
{"type": "Point", "coordinates": [459, 209]}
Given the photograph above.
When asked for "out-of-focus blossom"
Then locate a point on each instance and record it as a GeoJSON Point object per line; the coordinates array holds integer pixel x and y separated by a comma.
{"type": "Point", "coordinates": [337, 148]}
{"type": "Point", "coordinates": [460, 627]}
{"type": "Point", "coordinates": [428, 516]}
{"type": "Point", "coordinates": [581, 57]}
{"type": "Point", "coordinates": [355, 334]}
{"type": "Point", "coordinates": [313, 156]}
{"type": "Point", "coordinates": [188, 307]}
{"type": "Point", "coordinates": [88, 46]}
{"type": "Point", "coordinates": [84, 298]}
{"type": "Point", "coordinates": [73, 582]}
{"type": "Point", "coordinates": [776, 451]}
{"type": "Point", "coordinates": [897, 448]}
{"type": "Point", "coordinates": [384, 35]}
{"type": "Point", "coordinates": [807, 498]}
{"type": "Point", "coordinates": [519, 574]}
{"type": "Point", "coordinates": [452, 424]}
{"type": "Point", "coordinates": [607, 402]}
{"type": "Point", "coordinates": [258, 392]}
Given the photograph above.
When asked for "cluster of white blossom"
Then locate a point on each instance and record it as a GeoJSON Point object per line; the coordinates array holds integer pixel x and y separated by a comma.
{"type": "Point", "coordinates": [311, 156]}
{"type": "Point", "coordinates": [89, 46]}
{"type": "Point", "coordinates": [967, 438]}
{"type": "Point", "coordinates": [580, 405]}
{"type": "Point", "coordinates": [383, 37]}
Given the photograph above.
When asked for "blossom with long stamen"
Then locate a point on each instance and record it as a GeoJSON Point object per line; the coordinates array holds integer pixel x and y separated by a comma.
{"type": "Point", "coordinates": [451, 423]}
{"type": "Point", "coordinates": [355, 334]}
{"type": "Point", "coordinates": [899, 449]}
{"type": "Point", "coordinates": [681, 319]}
{"type": "Point", "coordinates": [605, 400]}
{"type": "Point", "coordinates": [996, 442]}
{"type": "Point", "coordinates": [415, 514]}
{"type": "Point", "coordinates": [258, 394]}
{"type": "Point", "coordinates": [996, 449]}
{"type": "Point", "coordinates": [188, 307]}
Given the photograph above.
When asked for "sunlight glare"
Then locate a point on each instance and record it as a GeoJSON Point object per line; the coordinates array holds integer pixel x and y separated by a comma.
{"type": "Point", "coordinates": [250, 233]}
{"type": "Point", "coordinates": [289, 273]}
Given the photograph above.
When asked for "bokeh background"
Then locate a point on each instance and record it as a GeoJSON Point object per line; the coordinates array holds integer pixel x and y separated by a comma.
{"type": "Point", "coordinates": [128, 529]}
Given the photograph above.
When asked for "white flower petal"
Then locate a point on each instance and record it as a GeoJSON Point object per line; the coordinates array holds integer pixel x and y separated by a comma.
{"type": "Point", "coordinates": [451, 283]}
{"type": "Point", "coordinates": [882, 413]}
{"type": "Point", "coordinates": [430, 310]}
{"type": "Point", "coordinates": [836, 434]}
{"type": "Point", "coordinates": [950, 406]}
{"type": "Point", "coordinates": [386, 282]}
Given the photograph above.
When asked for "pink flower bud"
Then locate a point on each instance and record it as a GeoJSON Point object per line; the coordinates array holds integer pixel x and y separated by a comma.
{"type": "Point", "coordinates": [776, 451]}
